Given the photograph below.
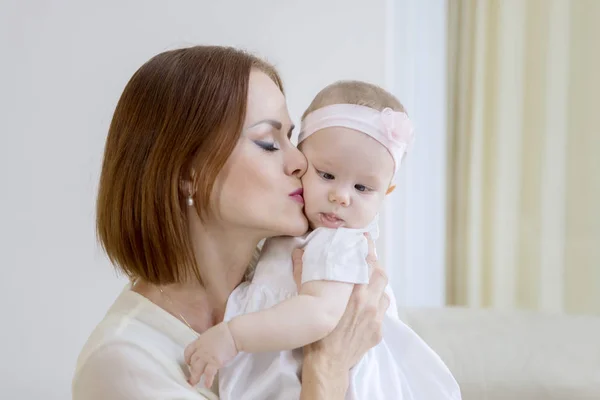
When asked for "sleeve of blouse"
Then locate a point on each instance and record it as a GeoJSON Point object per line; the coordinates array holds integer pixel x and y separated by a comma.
{"type": "Point", "coordinates": [124, 371]}
{"type": "Point", "coordinates": [336, 255]}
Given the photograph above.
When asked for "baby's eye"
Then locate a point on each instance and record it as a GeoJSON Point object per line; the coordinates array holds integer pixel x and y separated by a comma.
{"type": "Point", "coordinates": [361, 188]}
{"type": "Point", "coordinates": [326, 175]}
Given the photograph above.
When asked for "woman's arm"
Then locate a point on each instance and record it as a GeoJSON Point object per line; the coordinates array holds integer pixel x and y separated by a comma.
{"type": "Point", "coordinates": [327, 363]}
{"type": "Point", "coordinates": [323, 379]}
{"type": "Point", "coordinates": [295, 322]}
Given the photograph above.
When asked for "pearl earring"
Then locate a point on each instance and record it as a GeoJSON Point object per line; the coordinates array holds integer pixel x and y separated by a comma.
{"type": "Point", "coordinates": [190, 201]}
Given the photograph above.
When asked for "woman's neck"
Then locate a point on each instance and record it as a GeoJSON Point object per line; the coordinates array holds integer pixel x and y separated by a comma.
{"type": "Point", "coordinates": [222, 256]}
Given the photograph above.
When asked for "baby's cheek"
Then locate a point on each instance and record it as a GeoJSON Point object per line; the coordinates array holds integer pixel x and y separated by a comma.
{"type": "Point", "coordinates": [312, 202]}
{"type": "Point", "coordinates": [308, 197]}
{"type": "Point", "coordinates": [311, 188]}
{"type": "Point", "coordinates": [370, 210]}
{"type": "Point", "coordinates": [366, 217]}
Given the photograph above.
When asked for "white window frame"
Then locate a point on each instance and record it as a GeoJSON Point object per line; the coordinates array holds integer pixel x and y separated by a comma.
{"type": "Point", "coordinates": [413, 223]}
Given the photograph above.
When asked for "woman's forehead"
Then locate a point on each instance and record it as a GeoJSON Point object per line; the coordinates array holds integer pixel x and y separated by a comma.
{"type": "Point", "coordinates": [265, 100]}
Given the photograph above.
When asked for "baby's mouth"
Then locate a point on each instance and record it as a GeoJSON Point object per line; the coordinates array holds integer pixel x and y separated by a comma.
{"type": "Point", "coordinates": [330, 220]}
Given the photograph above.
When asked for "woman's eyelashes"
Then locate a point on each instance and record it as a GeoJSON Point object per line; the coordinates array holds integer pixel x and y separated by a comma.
{"type": "Point", "coordinates": [267, 146]}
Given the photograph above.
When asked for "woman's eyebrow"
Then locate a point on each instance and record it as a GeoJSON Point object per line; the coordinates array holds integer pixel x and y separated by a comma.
{"type": "Point", "coordinates": [275, 124]}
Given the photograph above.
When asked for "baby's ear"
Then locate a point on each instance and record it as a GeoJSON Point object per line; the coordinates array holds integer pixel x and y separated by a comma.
{"type": "Point", "coordinates": [390, 189]}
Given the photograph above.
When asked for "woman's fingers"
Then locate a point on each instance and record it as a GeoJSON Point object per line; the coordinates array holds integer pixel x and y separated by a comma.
{"type": "Point", "coordinates": [371, 255]}
{"type": "Point", "coordinates": [377, 284]}
{"type": "Point", "coordinates": [377, 301]}
{"type": "Point", "coordinates": [297, 262]}
{"type": "Point", "coordinates": [384, 304]}
{"type": "Point", "coordinates": [371, 244]}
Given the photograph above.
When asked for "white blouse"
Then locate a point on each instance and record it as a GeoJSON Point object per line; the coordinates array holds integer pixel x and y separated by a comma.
{"type": "Point", "coordinates": [136, 352]}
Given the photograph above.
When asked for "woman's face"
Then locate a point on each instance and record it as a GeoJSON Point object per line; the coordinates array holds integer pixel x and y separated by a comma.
{"type": "Point", "coordinates": [257, 190]}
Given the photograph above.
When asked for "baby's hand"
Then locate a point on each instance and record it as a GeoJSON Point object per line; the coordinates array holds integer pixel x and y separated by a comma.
{"type": "Point", "coordinates": [211, 351]}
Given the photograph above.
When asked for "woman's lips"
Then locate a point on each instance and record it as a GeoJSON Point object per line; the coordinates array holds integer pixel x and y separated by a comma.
{"type": "Point", "coordinates": [330, 220]}
{"type": "Point", "coordinates": [297, 196]}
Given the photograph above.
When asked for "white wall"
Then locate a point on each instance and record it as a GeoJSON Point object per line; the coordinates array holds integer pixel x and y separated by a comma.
{"type": "Point", "coordinates": [414, 229]}
{"type": "Point", "coordinates": [64, 64]}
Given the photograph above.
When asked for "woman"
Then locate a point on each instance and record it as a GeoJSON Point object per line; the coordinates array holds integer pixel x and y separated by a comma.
{"type": "Point", "coordinates": [198, 168]}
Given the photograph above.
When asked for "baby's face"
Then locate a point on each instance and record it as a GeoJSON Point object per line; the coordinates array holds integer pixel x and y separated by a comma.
{"type": "Point", "coordinates": [347, 178]}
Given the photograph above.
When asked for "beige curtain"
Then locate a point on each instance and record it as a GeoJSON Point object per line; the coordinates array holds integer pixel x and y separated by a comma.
{"type": "Point", "coordinates": [524, 156]}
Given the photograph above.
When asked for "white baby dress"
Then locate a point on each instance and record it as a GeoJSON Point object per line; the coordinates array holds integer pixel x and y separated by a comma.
{"type": "Point", "coordinates": [400, 367]}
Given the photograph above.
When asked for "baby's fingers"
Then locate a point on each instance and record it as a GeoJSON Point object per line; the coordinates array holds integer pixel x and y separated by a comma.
{"type": "Point", "coordinates": [196, 372]}
{"type": "Point", "coordinates": [371, 243]}
{"type": "Point", "coordinates": [189, 352]}
{"type": "Point", "coordinates": [209, 375]}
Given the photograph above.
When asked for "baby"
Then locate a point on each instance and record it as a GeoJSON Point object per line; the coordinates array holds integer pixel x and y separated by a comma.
{"type": "Point", "coordinates": [354, 136]}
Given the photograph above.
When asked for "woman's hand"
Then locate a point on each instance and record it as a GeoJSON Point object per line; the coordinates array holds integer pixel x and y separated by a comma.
{"type": "Point", "coordinates": [358, 331]}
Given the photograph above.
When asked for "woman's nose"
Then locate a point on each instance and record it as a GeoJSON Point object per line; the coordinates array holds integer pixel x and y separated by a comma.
{"type": "Point", "coordinates": [295, 163]}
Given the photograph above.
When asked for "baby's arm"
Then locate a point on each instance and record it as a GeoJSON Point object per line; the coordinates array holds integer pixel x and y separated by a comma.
{"type": "Point", "coordinates": [295, 322]}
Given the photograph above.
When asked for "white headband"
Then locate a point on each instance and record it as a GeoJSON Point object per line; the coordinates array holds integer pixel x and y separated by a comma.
{"type": "Point", "coordinates": [392, 129]}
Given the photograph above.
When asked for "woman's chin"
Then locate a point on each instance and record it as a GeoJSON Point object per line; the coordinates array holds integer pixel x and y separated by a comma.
{"type": "Point", "coordinates": [301, 228]}
{"type": "Point", "coordinates": [295, 227]}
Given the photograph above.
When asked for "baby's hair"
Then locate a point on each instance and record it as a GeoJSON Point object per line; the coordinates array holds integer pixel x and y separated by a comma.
{"type": "Point", "coordinates": [354, 92]}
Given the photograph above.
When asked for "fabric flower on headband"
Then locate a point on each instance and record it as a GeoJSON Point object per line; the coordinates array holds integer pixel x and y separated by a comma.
{"type": "Point", "coordinates": [398, 126]}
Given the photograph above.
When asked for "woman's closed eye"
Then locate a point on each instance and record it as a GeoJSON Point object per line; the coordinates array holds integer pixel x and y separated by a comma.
{"type": "Point", "coordinates": [326, 175]}
{"type": "Point", "coordinates": [267, 146]}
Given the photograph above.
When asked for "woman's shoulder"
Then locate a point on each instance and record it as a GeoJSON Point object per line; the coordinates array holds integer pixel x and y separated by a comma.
{"type": "Point", "coordinates": [106, 356]}
{"type": "Point", "coordinates": [135, 340]}
{"type": "Point", "coordinates": [124, 370]}
{"type": "Point", "coordinates": [109, 356]}
{"type": "Point", "coordinates": [118, 335]}
{"type": "Point", "coordinates": [114, 335]}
